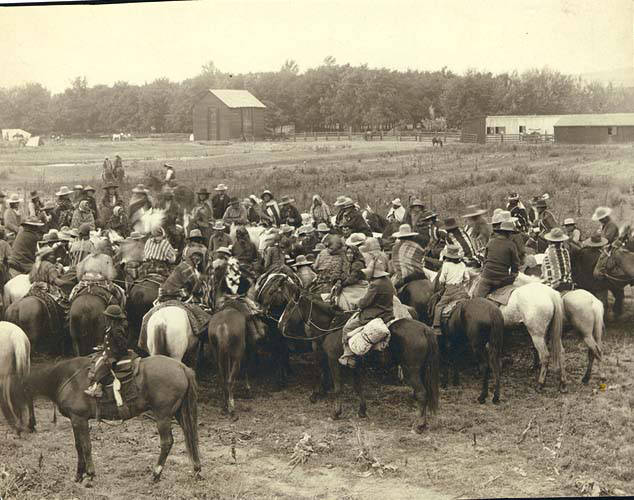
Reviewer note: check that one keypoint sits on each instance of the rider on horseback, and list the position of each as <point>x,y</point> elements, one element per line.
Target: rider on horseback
<point>115,347</point>
<point>407,257</point>
<point>556,269</point>
<point>450,282</point>
<point>501,261</point>
<point>184,282</point>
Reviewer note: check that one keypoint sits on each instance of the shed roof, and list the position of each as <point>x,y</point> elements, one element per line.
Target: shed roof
<point>597,120</point>
<point>237,98</point>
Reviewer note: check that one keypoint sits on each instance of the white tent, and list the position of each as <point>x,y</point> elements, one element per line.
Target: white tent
<point>34,142</point>
<point>15,134</point>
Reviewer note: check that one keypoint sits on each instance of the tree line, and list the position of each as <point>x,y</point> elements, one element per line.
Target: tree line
<point>329,97</point>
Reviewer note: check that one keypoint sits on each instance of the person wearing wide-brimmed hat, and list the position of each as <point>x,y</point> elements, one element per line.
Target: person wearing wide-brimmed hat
<point>413,213</point>
<point>45,274</point>
<point>115,348</point>
<point>35,206</point>
<point>202,214</point>
<point>518,210</point>
<point>450,282</point>
<point>131,256</point>
<point>570,227</point>
<point>236,213</point>
<point>83,215</point>
<point>25,245</point>
<point>556,268</point>
<point>609,229</point>
<point>219,201</point>
<point>5,253</point>
<point>270,208</point>
<point>219,237</point>
<point>81,247</point>
<point>139,204</point>
<point>63,212</point>
<point>289,213</point>
<point>545,221</point>
<point>12,215</point>
<point>246,252</point>
<point>477,228</point>
<point>396,212</point>
<point>117,169</point>
<point>330,265</point>
<point>378,302</point>
<point>111,197</point>
<point>349,218</point>
<point>458,236</point>
<point>501,261</point>
<point>307,238</point>
<point>408,257</point>
<point>304,271</point>
<point>89,195</point>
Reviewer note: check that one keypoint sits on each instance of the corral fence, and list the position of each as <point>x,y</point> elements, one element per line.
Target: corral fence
<point>525,138</point>
<point>404,135</point>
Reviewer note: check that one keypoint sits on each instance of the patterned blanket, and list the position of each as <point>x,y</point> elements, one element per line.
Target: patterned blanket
<point>42,292</point>
<point>108,291</point>
<point>198,319</point>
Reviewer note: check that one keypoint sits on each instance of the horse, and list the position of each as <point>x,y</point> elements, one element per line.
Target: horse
<point>413,346</point>
<point>117,137</point>
<point>165,387</point>
<point>16,288</point>
<point>436,140</point>
<point>540,309</point>
<point>417,294</point>
<point>375,221</point>
<point>32,316</point>
<point>87,323</point>
<point>169,333</point>
<point>255,234</point>
<point>141,299</point>
<point>15,359</point>
<point>227,345</point>
<point>481,324</point>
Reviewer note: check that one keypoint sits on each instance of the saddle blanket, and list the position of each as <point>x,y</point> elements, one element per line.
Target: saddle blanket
<point>502,295</point>
<point>372,335</point>
<point>245,305</point>
<point>108,291</point>
<point>350,296</point>
<point>198,319</point>
<point>125,372</point>
<point>52,302</point>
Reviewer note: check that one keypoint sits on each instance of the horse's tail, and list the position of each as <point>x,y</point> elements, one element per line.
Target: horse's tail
<point>22,356</point>
<point>13,401</point>
<point>429,371</point>
<point>157,339</point>
<point>496,334</point>
<point>221,339</point>
<point>598,329</point>
<point>555,329</point>
<point>187,417</point>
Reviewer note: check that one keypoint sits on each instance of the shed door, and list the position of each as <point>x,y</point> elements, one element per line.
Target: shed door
<point>212,124</point>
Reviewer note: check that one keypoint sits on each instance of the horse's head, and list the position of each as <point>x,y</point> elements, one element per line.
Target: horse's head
<point>276,289</point>
<point>620,264</point>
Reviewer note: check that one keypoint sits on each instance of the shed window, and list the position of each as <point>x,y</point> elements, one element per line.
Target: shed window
<point>522,129</point>
<point>500,130</point>
<point>489,130</point>
<point>611,130</point>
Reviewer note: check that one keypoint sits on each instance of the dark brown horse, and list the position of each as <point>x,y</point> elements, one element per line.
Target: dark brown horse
<point>141,299</point>
<point>30,314</point>
<point>417,294</point>
<point>165,387</point>
<point>413,346</point>
<point>480,324</point>
<point>87,323</point>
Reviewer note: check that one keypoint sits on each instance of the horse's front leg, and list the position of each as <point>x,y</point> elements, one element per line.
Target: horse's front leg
<point>85,466</point>
<point>81,459</point>
<point>358,389</point>
<point>321,387</point>
<point>164,426</point>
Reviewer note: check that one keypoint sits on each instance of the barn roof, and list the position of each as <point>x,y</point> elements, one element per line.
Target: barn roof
<point>598,120</point>
<point>237,98</point>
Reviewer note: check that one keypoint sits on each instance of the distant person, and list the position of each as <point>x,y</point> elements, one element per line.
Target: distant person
<point>170,175</point>
<point>108,175</point>
<point>83,215</point>
<point>12,216</point>
<point>117,169</point>
<point>220,201</point>
<point>36,206</point>
<point>609,229</point>
<point>63,212</point>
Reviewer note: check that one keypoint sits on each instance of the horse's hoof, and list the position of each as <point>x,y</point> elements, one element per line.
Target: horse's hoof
<point>362,413</point>
<point>539,388</point>
<point>156,473</point>
<point>482,399</point>
<point>420,428</point>
<point>563,388</point>
<point>585,380</point>
<point>79,477</point>
<point>496,399</point>
<point>336,415</point>
<point>87,482</point>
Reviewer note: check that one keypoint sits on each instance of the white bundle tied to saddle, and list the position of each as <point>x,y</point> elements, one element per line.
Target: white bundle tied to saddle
<point>373,334</point>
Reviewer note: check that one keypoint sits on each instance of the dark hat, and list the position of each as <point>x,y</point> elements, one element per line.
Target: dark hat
<point>114,311</point>
<point>203,191</point>
<point>34,195</point>
<point>450,223</point>
<point>285,200</point>
<point>111,185</point>
<point>596,240</point>
<point>233,200</point>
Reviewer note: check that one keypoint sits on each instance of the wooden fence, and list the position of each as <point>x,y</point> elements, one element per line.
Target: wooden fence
<point>405,135</point>
<point>523,138</point>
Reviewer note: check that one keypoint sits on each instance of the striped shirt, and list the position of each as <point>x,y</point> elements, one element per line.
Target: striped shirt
<point>161,250</point>
<point>407,258</point>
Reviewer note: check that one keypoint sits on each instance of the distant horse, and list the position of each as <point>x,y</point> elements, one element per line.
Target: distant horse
<point>166,387</point>
<point>436,140</point>
<point>15,359</point>
<point>413,346</point>
<point>117,137</point>
<point>169,333</point>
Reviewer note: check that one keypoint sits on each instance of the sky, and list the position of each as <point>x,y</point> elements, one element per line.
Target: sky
<point>138,43</point>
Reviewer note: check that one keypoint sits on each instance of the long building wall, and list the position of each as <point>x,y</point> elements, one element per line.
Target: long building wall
<point>542,124</point>
<point>594,135</point>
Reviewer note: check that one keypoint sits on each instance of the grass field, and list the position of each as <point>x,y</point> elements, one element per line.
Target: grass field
<point>577,444</point>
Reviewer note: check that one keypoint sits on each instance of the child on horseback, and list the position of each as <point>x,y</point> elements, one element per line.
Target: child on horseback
<point>115,347</point>
<point>450,282</point>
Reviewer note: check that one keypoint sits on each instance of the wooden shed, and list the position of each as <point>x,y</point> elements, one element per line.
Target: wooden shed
<point>225,114</point>
<point>595,128</point>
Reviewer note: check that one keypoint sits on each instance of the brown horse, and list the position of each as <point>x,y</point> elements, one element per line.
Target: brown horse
<point>140,300</point>
<point>32,316</point>
<point>417,294</point>
<point>165,387</point>
<point>413,346</point>
<point>87,324</point>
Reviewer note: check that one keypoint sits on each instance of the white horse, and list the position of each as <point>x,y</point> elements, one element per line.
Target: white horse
<point>170,334</point>
<point>15,359</point>
<point>16,288</point>
<point>584,312</point>
<point>255,234</point>
<point>540,309</point>
<point>117,137</point>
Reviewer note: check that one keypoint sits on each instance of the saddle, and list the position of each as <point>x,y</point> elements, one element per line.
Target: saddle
<point>115,404</point>
<point>502,295</point>
<point>109,292</point>
<point>51,302</point>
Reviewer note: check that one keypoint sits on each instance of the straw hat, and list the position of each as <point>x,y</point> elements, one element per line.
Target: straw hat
<point>203,191</point>
<point>14,198</point>
<point>601,213</point>
<point>89,188</point>
<point>195,233</point>
<point>34,195</point>
<point>356,239</point>
<point>224,250</point>
<point>319,247</point>
<point>370,245</point>
<point>397,202</point>
<point>506,227</point>
<point>266,191</point>
<point>404,231</point>
<point>301,260</point>
<point>32,221</point>
<point>428,214</point>
<point>218,225</point>
<point>569,222</point>
<point>135,235</point>
<point>375,271</point>
<point>343,202</point>
<point>52,236</point>
<point>78,187</point>
<point>596,240</point>
<point>452,251</point>
<point>501,216</point>
<point>474,211</point>
<point>417,202</point>
<point>450,223</point>
<point>556,234</point>
<point>168,165</point>
<point>322,227</point>
<point>63,191</point>
<point>285,200</point>
<point>305,230</point>
<point>221,187</point>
